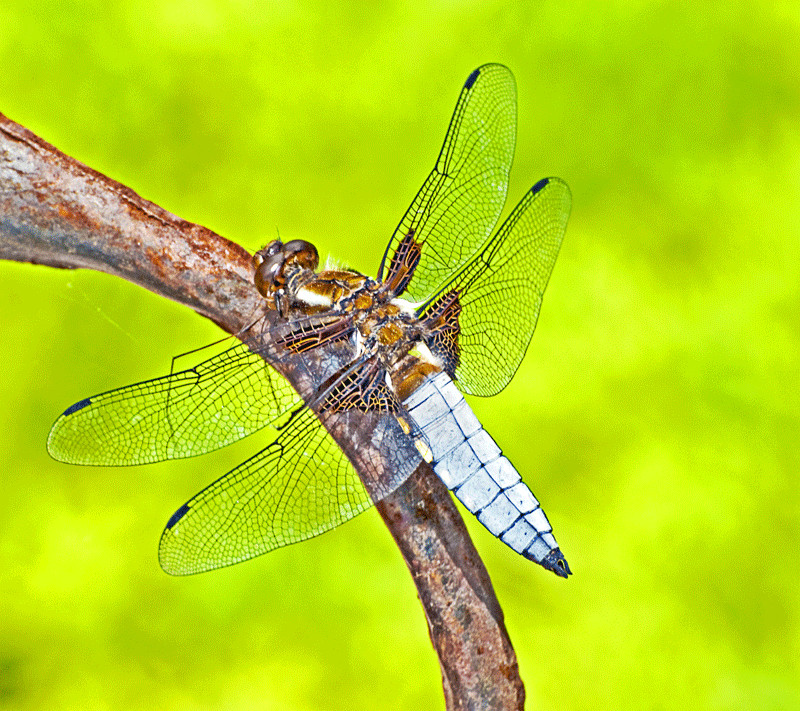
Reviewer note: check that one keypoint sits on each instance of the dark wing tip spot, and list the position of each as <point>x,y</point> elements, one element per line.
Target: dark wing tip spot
<point>177,516</point>
<point>72,409</point>
<point>471,79</point>
<point>536,188</point>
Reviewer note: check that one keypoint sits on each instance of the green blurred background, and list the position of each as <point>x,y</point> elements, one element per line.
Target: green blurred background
<point>656,414</point>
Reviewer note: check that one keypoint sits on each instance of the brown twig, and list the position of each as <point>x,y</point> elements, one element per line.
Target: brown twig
<point>58,212</point>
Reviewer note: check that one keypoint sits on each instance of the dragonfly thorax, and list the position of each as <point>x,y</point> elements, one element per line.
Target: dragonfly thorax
<point>338,305</point>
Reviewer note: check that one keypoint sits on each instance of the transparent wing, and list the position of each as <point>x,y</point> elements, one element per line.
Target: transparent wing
<point>461,200</point>
<point>181,415</point>
<point>501,289</point>
<point>299,486</point>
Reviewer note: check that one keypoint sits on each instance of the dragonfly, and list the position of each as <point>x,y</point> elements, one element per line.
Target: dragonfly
<point>451,312</point>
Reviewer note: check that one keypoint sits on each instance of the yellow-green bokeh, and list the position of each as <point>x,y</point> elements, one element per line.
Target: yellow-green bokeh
<point>656,414</point>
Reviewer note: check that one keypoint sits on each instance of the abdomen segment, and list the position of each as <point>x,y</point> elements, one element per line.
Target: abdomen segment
<point>472,466</point>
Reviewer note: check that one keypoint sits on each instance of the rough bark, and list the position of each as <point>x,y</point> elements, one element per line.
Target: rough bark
<point>58,212</point>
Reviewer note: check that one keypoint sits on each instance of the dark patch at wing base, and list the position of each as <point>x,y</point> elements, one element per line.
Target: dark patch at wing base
<point>403,264</point>
<point>441,321</point>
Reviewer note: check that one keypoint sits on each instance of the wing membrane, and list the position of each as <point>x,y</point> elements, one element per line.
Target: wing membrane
<point>299,486</point>
<point>181,415</point>
<point>501,289</point>
<point>461,200</point>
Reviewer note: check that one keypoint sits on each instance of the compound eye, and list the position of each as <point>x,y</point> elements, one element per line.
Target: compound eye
<point>303,253</point>
<point>273,248</point>
<point>269,274</point>
<point>269,251</point>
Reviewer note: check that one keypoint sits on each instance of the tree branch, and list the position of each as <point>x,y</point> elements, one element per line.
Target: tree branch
<point>58,212</point>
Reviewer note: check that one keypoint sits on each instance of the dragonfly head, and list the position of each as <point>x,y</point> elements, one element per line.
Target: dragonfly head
<point>279,262</point>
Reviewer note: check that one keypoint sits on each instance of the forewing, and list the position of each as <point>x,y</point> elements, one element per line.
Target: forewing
<point>501,290</point>
<point>299,486</point>
<point>460,201</point>
<point>181,415</point>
